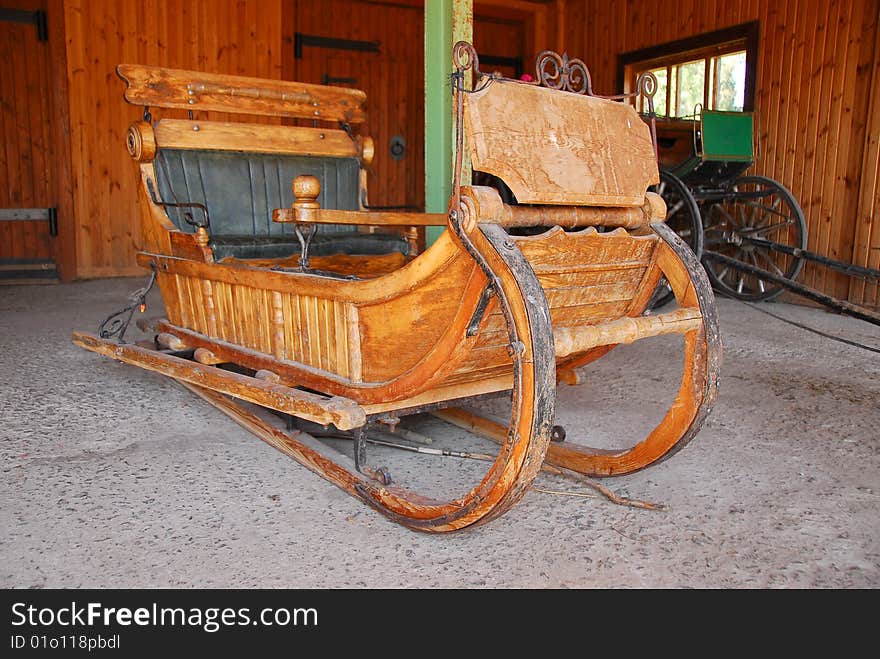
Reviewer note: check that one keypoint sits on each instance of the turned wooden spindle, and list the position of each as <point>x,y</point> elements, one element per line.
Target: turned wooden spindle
<point>305,202</point>
<point>305,197</point>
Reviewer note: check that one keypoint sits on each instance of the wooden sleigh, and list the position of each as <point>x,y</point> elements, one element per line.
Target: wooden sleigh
<point>510,300</point>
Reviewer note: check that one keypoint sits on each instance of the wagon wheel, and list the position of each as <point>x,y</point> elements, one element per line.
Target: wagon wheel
<point>758,207</point>
<point>683,217</point>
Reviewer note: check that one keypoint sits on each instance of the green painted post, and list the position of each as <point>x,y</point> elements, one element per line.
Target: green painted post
<point>446,21</point>
<point>438,110</point>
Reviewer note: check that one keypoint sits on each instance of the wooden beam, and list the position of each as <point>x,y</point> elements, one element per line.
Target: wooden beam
<point>572,340</point>
<point>345,414</point>
<point>65,242</point>
<point>195,90</point>
<point>254,138</point>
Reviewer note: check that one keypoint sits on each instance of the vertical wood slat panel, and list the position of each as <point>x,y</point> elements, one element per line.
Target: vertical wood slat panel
<point>224,36</point>
<point>814,115</point>
<point>840,239</point>
<point>817,136</point>
<point>866,247</point>
<point>314,331</point>
<point>26,176</point>
<point>861,163</point>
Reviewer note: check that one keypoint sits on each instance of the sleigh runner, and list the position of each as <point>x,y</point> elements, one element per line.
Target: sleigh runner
<point>315,307</point>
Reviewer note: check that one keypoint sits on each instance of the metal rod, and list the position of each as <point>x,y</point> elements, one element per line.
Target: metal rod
<point>843,307</point>
<point>432,451</point>
<point>846,268</point>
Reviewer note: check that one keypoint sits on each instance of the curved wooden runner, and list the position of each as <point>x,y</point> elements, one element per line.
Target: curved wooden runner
<point>696,394</point>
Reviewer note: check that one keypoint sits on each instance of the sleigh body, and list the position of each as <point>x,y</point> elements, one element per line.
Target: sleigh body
<point>300,300</point>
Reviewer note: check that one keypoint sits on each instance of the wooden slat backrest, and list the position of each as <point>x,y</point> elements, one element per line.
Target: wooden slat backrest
<point>553,147</point>
<point>193,90</point>
<point>255,138</point>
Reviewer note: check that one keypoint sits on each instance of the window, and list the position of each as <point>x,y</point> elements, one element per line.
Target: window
<point>715,71</point>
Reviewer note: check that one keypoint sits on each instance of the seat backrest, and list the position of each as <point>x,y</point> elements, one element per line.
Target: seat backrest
<point>727,135</point>
<point>240,190</point>
<point>559,148</point>
<point>241,171</point>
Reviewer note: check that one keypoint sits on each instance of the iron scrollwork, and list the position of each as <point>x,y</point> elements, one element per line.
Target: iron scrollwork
<point>115,325</point>
<point>552,70</point>
<point>561,72</point>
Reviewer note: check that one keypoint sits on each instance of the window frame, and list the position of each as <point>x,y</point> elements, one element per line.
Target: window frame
<point>701,47</point>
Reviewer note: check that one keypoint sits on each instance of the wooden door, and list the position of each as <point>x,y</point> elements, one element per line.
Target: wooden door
<point>501,45</point>
<point>378,48</point>
<point>391,179</point>
<point>27,205</point>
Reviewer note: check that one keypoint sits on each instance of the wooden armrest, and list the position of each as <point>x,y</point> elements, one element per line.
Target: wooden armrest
<point>306,209</point>
<point>329,216</point>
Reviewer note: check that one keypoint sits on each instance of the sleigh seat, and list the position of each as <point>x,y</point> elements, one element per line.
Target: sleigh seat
<point>211,186</point>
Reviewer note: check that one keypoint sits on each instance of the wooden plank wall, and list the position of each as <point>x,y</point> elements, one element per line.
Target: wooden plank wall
<point>817,104</point>
<point>392,78</point>
<point>26,140</point>
<point>51,166</point>
<point>223,36</point>
<point>500,38</point>
<point>248,38</point>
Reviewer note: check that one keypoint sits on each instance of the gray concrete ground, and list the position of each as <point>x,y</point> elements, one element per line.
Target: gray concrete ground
<point>117,477</point>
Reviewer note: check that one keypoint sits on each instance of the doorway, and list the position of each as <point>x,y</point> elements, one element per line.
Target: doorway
<point>28,215</point>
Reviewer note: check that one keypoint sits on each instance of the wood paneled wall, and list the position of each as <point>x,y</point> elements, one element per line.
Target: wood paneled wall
<point>223,36</point>
<point>393,79</point>
<point>43,98</point>
<point>247,38</point>
<point>817,98</point>
<point>817,104</point>
<point>26,140</point>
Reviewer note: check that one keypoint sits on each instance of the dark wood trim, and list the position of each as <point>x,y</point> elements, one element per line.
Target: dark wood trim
<point>65,243</point>
<point>300,40</point>
<point>748,33</point>
<point>515,63</point>
<point>37,18</point>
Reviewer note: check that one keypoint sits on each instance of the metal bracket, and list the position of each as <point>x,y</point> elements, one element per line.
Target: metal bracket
<point>327,79</point>
<point>360,448</point>
<point>304,233</point>
<point>38,18</point>
<point>300,40</point>
<point>360,458</point>
<point>187,216</point>
<point>480,310</point>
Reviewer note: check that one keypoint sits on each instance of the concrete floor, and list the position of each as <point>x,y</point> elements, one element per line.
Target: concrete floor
<point>117,477</point>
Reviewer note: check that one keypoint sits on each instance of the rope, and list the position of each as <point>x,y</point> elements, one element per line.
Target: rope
<point>809,329</point>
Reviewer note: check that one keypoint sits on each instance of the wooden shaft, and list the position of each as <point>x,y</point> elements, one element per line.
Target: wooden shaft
<point>345,414</point>
<point>169,341</point>
<point>205,356</point>
<point>489,209</point>
<point>376,218</point>
<point>571,340</point>
<point>572,217</point>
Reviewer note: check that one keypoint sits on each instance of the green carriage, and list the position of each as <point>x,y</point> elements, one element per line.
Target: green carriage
<point>714,205</point>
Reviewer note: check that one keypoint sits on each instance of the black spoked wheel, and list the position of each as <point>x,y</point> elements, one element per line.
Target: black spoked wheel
<point>755,209</point>
<point>683,217</point>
